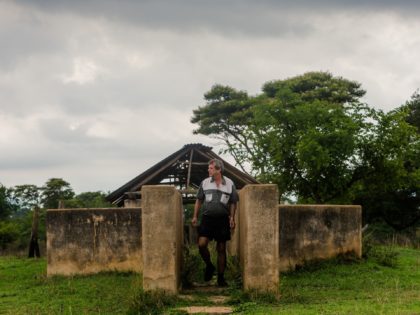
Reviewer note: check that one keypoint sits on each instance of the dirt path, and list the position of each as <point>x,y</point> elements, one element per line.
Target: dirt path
<point>213,297</point>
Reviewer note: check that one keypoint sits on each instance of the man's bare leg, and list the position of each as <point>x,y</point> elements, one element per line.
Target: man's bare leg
<point>205,255</point>
<point>221,263</point>
<point>221,257</point>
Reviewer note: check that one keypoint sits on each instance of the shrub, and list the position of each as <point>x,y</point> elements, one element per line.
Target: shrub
<point>384,253</point>
<point>233,271</point>
<point>192,266</point>
<point>9,232</point>
<point>150,302</point>
<point>246,300</point>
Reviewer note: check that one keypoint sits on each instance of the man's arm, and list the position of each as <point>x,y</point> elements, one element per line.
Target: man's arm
<point>234,198</point>
<point>232,210</point>
<point>197,207</point>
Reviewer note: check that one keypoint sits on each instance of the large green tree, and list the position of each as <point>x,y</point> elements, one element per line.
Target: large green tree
<point>312,135</point>
<point>311,149</point>
<point>300,133</point>
<point>54,190</point>
<point>390,187</point>
<point>226,116</point>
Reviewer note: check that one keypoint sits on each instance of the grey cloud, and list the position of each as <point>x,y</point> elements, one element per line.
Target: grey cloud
<point>63,131</point>
<point>234,18</point>
<point>141,111</point>
<point>163,85</point>
<point>237,16</point>
<point>22,39</point>
<point>29,161</point>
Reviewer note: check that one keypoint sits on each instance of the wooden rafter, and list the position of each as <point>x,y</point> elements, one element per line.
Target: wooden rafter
<point>185,169</point>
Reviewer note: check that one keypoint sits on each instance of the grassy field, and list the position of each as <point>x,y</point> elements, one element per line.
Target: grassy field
<point>358,288</point>
<point>361,287</point>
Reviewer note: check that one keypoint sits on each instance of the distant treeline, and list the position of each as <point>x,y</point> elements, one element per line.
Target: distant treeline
<point>17,205</point>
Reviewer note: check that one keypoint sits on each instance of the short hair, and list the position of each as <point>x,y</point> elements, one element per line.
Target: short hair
<point>218,164</point>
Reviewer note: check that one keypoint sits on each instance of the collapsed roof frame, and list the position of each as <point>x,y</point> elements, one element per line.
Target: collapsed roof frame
<point>184,169</point>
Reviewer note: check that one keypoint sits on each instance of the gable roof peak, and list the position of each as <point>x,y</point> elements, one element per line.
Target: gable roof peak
<point>197,146</point>
<point>185,168</point>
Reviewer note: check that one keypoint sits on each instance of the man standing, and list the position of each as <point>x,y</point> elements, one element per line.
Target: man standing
<point>217,196</point>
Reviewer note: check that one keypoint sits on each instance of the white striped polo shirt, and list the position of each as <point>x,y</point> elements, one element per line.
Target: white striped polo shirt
<point>216,199</point>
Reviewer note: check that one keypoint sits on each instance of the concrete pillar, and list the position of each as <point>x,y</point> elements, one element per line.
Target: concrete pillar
<point>162,238</point>
<point>259,237</point>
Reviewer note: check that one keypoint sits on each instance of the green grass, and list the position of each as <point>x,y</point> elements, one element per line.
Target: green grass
<point>333,287</point>
<point>364,287</point>
<point>25,289</point>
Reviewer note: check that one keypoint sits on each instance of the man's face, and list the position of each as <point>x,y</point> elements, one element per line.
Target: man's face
<point>212,170</point>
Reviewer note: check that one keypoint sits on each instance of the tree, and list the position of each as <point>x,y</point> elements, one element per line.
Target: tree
<point>225,116</point>
<point>90,199</point>
<point>54,190</point>
<point>314,122</point>
<point>8,229</point>
<point>390,188</point>
<point>9,232</point>
<point>26,197</point>
<point>6,206</point>
<point>413,108</point>
<point>313,86</point>
<point>314,138</point>
<point>299,133</point>
<point>311,148</point>
<point>33,243</point>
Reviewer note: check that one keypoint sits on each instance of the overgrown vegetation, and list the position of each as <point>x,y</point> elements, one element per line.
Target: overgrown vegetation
<point>337,286</point>
<point>384,253</point>
<point>194,266</point>
<point>150,302</point>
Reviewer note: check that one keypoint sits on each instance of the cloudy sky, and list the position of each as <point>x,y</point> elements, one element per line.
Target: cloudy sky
<point>98,91</point>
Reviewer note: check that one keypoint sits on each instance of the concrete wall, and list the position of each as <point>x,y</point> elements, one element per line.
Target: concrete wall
<point>162,238</point>
<point>309,232</point>
<point>82,241</point>
<point>132,203</point>
<point>259,237</point>
<point>269,238</point>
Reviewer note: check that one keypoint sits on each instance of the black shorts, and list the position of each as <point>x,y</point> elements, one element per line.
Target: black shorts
<point>217,228</point>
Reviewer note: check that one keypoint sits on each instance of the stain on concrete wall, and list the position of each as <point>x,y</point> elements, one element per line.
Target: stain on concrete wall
<point>309,232</point>
<point>82,241</point>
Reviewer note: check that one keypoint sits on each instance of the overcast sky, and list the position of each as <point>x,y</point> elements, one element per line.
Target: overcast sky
<point>96,92</point>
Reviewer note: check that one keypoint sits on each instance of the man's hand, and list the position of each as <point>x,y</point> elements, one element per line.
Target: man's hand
<point>232,223</point>
<point>194,221</point>
<point>197,207</point>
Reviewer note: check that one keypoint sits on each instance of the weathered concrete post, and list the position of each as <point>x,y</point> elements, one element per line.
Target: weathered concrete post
<point>259,237</point>
<point>162,238</point>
